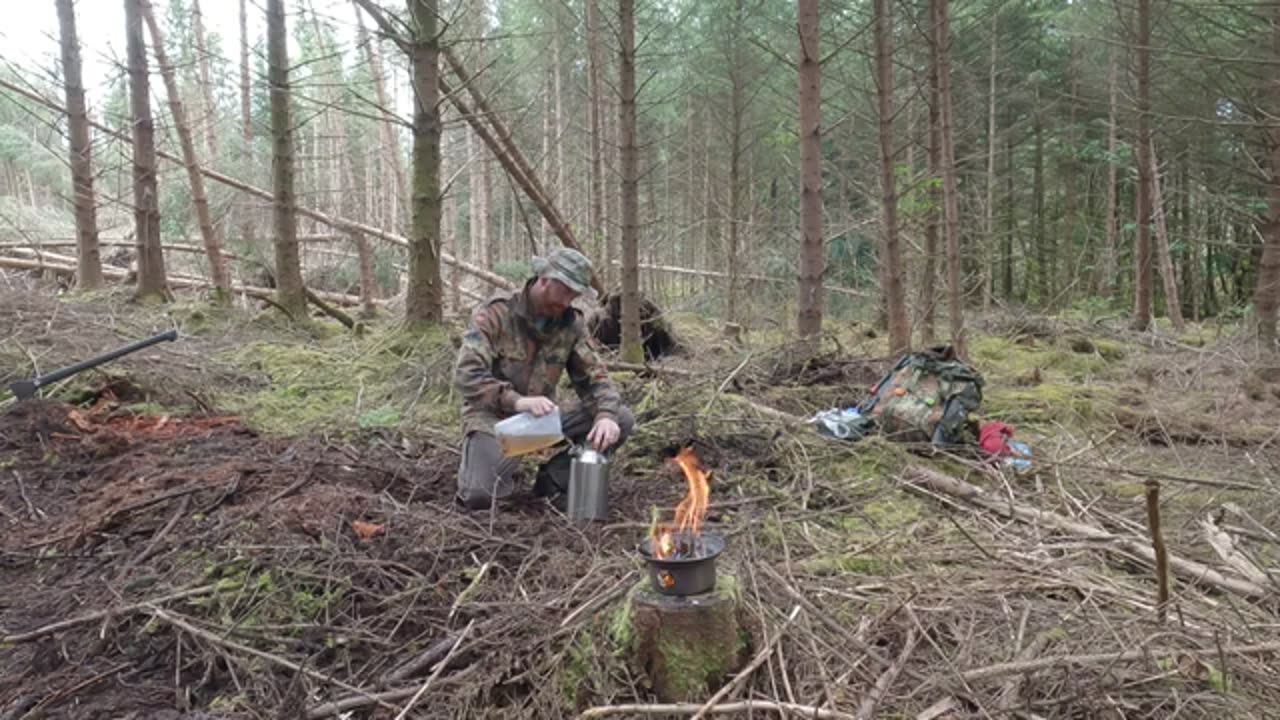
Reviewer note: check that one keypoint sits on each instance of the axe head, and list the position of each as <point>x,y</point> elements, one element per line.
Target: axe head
<point>24,389</point>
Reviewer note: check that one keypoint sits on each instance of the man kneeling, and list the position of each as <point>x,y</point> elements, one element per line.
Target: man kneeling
<point>513,353</point>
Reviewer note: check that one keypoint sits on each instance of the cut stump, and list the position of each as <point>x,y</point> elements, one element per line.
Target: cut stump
<point>686,646</point>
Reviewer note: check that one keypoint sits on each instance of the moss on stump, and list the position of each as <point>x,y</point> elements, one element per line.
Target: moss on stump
<point>686,646</point>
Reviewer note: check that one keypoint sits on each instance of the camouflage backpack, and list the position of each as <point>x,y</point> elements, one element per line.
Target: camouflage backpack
<point>926,397</point>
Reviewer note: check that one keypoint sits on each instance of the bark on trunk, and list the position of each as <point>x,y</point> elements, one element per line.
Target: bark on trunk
<point>891,258</point>
<point>290,292</point>
<point>557,82</point>
<point>1011,216</point>
<point>989,244</point>
<point>424,299</point>
<point>737,100</point>
<point>1266,298</point>
<point>928,283</point>
<point>88,260</point>
<point>632,348</point>
<point>1172,303</point>
<point>1040,238</point>
<point>1142,251</point>
<point>950,192</point>
<point>595,223</point>
<point>1070,178</point>
<point>1107,269</point>
<point>246,126</point>
<point>212,241</point>
<point>812,258</point>
<point>151,271</point>
<point>394,196</point>
<point>208,112</point>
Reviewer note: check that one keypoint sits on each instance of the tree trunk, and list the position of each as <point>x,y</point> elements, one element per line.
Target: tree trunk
<point>1173,305</point>
<point>289,287</point>
<point>212,242</point>
<point>812,256</point>
<point>209,112</point>
<point>547,158</point>
<point>88,261</point>
<point>950,192</point>
<point>424,298</point>
<point>1043,276</point>
<point>632,349</point>
<point>146,213</point>
<point>395,195</point>
<point>475,251</point>
<point>1142,252</point>
<point>557,82</point>
<point>246,126</point>
<point>989,244</point>
<point>929,281</point>
<point>487,238</point>
<point>891,255</point>
<point>1266,296</point>
<point>508,153</point>
<point>1070,178</point>
<point>1011,216</point>
<point>1107,271</point>
<point>449,222</point>
<point>737,101</point>
<point>595,223</point>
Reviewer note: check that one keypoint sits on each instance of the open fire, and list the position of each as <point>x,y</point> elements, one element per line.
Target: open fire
<point>681,558</point>
<point>683,538</point>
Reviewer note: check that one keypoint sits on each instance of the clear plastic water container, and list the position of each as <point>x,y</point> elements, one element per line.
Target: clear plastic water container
<point>524,433</point>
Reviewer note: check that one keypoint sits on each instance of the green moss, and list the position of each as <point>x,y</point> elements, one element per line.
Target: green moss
<point>1046,402</point>
<point>694,671</point>
<point>577,668</point>
<point>851,564</point>
<point>1001,358</point>
<point>395,378</point>
<point>1128,490</point>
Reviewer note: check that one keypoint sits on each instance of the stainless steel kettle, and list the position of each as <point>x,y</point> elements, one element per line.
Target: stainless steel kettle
<point>588,486</point>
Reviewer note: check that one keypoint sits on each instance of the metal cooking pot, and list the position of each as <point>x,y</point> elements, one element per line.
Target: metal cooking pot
<point>684,576</point>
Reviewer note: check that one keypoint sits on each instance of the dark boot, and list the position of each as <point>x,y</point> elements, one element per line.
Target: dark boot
<point>552,481</point>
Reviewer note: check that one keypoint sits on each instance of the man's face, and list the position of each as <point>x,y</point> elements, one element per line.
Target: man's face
<point>552,297</point>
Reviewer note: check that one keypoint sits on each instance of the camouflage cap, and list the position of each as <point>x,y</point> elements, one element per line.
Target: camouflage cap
<point>569,267</point>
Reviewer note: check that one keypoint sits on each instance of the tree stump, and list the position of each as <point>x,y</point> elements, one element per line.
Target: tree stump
<point>686,646</point>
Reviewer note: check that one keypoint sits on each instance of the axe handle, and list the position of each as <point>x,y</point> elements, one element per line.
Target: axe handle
<point>70,370</point>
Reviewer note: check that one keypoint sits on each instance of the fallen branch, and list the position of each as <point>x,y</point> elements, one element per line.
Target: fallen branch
<point>717,274</point>
<point>439,669</point>
<point>273,659</point>
<point>1190,569</point>
<point>100,614</point>
<point>750,668</point>
<point>782,708</point>
<point>332,221</point>
<point>1225,547</point>
<point>329,310</point>
<point>174,281</point>
<point>650,369</point>
<point>1062,661</point>
<point>867,709</point>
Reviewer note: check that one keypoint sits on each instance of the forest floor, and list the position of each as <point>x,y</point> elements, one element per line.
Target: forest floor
<point>258,521</point>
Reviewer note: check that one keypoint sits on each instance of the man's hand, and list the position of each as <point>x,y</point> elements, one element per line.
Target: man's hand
<point>535,405</point>
<point>604,434</point>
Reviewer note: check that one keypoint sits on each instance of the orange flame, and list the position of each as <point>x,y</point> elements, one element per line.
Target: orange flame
<point>691,511</point>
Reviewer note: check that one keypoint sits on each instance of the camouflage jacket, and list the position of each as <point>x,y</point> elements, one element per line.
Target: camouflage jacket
<point>506,354</point>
